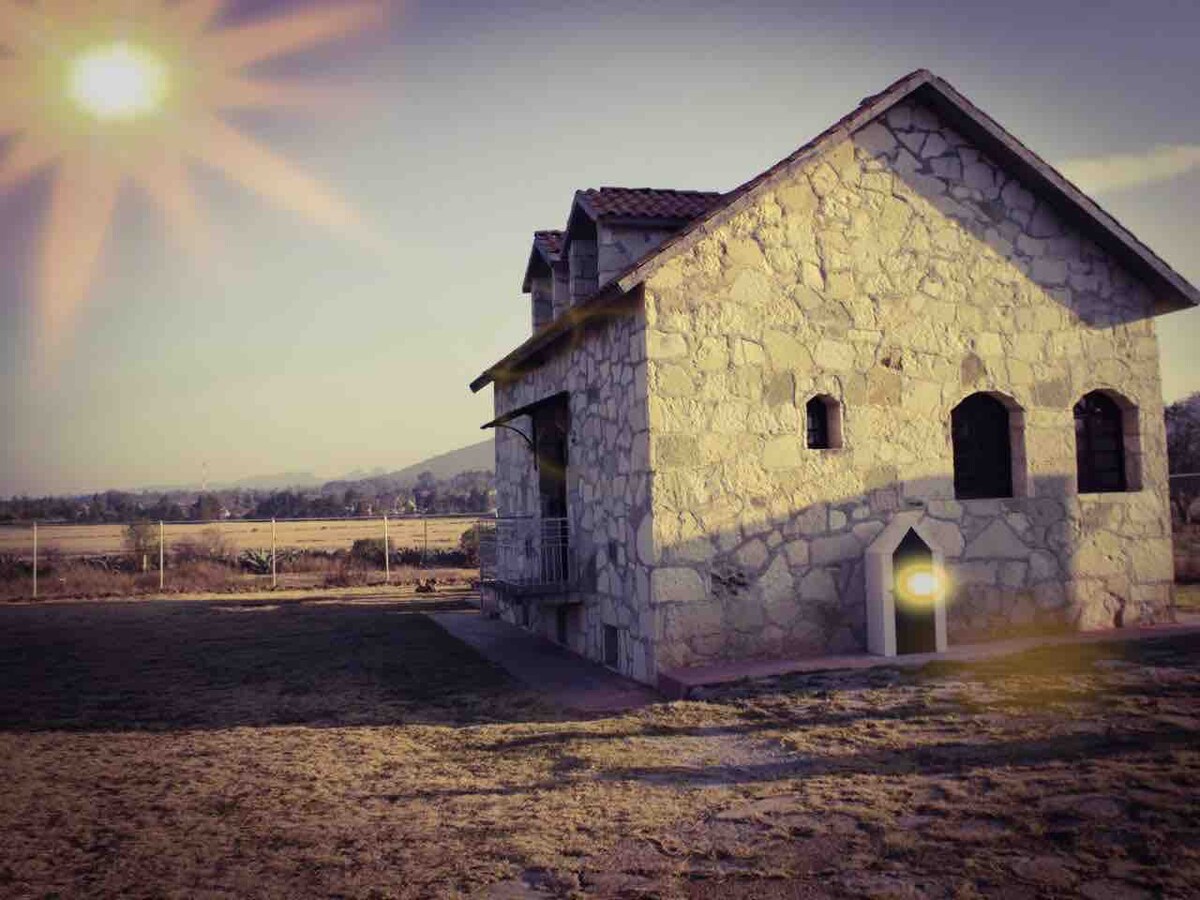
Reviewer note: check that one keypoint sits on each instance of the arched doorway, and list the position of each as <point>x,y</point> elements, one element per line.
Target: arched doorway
<point>906,589</point>
<point>915,593</point>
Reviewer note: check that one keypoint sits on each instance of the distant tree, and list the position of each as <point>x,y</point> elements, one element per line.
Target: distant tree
<point>141,539</point>
<point>207,508</point>
<point>468,543</point>
<point>165,509</point>
<point>1183,434</point>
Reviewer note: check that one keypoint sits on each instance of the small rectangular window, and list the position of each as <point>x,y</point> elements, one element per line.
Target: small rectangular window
<point>823,423</point>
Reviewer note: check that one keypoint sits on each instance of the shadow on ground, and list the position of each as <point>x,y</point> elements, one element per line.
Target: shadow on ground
<point>165,665</point>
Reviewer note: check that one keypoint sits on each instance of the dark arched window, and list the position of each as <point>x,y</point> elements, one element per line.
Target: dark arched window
<point>1099,444</point>
<point>822,423</point>
<point>982,440</point>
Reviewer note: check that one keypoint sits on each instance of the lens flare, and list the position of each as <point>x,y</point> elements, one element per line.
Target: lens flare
<point>919,586</point>
<point>110,93</point>
<point>118,81</point>
<point>922,584</point>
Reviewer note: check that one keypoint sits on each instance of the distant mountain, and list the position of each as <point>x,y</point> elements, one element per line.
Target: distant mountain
<point>277,482</point>
<point>472,458</point>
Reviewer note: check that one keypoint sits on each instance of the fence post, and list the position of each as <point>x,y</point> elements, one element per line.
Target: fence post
<point>35,560</point>
<point>387,562</point>
<point>161,556</point>
<point>273,553</point>
<point>425,546</point>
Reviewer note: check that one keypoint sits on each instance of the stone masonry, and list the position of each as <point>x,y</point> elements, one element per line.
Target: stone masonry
<point>607,482</point>
<point>897,274</point>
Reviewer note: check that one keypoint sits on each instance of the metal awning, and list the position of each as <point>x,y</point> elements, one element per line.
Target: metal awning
<point>525,410</point>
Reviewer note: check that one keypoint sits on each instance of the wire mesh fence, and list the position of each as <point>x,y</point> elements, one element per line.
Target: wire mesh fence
<point>68,559</point>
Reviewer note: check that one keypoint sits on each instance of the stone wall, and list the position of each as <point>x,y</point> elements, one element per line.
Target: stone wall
<point>581,256</point>
<point>621,245</point>
<point>541,298</point>
<point>898,274</point>
<point>607,480</point>
<point>562,287</point>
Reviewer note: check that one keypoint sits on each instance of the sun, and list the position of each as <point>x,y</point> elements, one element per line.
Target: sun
<point>111,93</point>
<point>118,81</point>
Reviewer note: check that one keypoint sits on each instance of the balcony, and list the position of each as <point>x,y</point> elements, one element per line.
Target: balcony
<point>526,556</point>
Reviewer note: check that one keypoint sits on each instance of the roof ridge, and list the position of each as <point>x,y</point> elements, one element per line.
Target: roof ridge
<point>615,187</point>
<point>962,113</point>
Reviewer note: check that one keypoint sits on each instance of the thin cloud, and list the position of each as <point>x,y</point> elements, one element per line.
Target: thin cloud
<point>1121,171</point>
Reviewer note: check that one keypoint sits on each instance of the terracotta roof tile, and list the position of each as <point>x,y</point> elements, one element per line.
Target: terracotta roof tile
<point>647,203</point>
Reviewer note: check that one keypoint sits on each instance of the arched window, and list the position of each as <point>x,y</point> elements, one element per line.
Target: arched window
<point>1099,444</point>
<point>980,432</point>
<point>822,423</point>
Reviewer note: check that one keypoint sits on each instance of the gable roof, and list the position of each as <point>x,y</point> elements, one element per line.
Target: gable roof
<point>651,206</point>
<point>646,203</point>
<point>661,207</point>
<point>547,249</point>
<point>1173,291</point>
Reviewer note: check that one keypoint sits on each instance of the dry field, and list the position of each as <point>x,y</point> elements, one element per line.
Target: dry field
<point>314,534</point>
<point>289,750</point>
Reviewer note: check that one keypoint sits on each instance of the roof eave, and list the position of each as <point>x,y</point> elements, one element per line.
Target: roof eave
<point>546,336</point>
<point>1067,199</point>
<point>1172,291</point>
<point>742,196</point>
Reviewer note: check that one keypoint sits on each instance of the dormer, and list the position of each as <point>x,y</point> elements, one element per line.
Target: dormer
<point>546,278</point>
<point>610,228</point>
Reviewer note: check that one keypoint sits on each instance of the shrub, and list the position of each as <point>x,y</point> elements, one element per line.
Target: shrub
<point>141,539</point>
<point>370,551</point>
<point>346,573</point>
<point>12,567</point>
<point>209,545</point>
<point>468,545</point>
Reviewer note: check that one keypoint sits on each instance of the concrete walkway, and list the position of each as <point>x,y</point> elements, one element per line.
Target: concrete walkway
<point>678,683</point>
<point>567,680</point>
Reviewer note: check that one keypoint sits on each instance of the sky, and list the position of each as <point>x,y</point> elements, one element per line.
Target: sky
<point>290,345</point>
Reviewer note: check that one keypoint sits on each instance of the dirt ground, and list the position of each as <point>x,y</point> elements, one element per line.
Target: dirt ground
<point>355,750</point>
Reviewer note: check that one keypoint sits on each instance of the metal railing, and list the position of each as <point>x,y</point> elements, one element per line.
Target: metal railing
<point>526,553</point>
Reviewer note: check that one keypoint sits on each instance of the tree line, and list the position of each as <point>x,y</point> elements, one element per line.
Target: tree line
<point>466,492</point>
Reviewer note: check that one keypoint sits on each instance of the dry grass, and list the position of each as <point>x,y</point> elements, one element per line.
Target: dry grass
<point>320,534</point>
<point>306,750</point>
<point>76,579</point>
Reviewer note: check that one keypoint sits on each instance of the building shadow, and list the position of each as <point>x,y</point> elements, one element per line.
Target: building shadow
<point>181,665</point>
<point>795,586</point>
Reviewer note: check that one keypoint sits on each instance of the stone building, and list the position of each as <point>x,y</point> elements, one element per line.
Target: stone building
<point>900,390</point>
